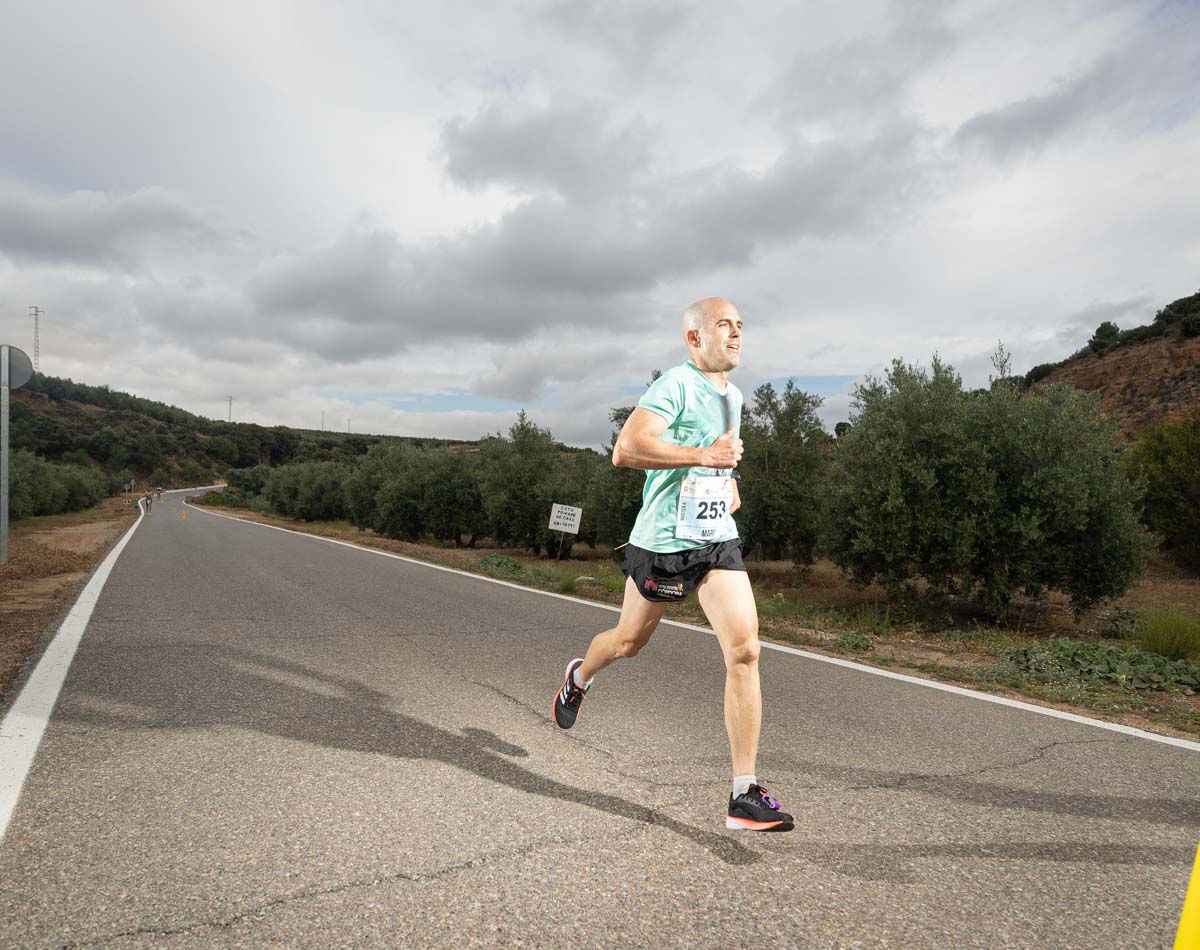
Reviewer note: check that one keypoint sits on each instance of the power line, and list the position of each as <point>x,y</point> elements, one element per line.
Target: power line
<point>36,313</point>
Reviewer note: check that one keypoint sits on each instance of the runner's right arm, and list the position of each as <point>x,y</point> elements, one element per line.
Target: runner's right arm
<point>640,445</point>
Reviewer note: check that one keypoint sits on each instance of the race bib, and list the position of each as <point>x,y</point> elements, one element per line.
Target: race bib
<point>704,503</point>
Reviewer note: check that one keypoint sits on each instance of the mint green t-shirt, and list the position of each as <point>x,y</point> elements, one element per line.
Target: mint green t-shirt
<point>697,414</point>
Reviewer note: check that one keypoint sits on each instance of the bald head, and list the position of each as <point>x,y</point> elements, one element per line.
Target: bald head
<point>700,314</point>
<point>712,329</point>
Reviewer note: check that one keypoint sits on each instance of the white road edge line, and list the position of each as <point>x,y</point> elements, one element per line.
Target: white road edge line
<point>23,727</point>
<point>848,664</point>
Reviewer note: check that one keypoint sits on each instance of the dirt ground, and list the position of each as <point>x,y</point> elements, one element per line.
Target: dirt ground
<point>48,561</point>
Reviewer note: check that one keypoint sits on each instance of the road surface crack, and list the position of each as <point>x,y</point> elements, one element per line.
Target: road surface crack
<point>1038,754</point>
<point>309,893</point>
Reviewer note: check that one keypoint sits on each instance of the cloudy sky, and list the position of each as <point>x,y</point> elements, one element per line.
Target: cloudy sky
<point>423,217</point>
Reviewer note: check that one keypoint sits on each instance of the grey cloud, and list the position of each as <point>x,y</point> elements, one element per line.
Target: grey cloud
<point>1148,83</point>
<point>89,227</point>
<point>364,276</point>
<point>368,294</point>
<point>632,33</point>
<point>865,80</point>
<point>523,372</point>
<point>1080,325</point>
<point>574,151</point>
<point>553,261</point>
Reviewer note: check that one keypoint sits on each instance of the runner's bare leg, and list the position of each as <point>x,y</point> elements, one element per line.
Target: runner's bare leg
<point>639,617</point>
<point>728,603</point>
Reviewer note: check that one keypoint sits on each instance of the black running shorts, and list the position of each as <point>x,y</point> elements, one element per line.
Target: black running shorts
<point>665,577</point>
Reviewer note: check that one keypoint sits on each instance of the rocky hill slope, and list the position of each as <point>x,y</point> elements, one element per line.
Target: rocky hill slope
<point>1140,386</point>
<point>1145,376</point>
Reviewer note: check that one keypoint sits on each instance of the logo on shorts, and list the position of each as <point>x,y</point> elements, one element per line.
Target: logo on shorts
<point>664,588</point>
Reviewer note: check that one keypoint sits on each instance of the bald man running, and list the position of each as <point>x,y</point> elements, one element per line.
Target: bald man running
<point>684,433</point>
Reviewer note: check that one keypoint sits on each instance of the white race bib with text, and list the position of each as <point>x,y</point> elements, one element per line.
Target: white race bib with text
<point>704,503</point>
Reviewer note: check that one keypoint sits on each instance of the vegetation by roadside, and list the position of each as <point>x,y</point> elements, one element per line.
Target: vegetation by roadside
<point>1100,665</point>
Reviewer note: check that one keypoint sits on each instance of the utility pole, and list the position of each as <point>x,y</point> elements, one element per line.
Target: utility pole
<point>347,424</point>
<point>36,313</point>
<point>230,398</point>
<point>322,420</point>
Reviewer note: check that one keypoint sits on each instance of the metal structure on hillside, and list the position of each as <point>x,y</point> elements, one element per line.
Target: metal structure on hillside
<point>15,372</point>
<point>36,313</point>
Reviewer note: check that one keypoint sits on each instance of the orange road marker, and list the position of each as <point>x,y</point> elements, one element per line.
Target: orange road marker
<point>1188,937</point>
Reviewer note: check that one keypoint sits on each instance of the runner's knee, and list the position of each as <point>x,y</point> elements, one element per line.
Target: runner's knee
<point>744,650</point>
<point>629,647</point>
<point>630,642</point>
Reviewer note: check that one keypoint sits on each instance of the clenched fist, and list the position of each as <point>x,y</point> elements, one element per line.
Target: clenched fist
<point>726,452</point>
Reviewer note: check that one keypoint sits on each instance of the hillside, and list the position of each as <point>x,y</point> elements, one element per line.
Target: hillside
<point>1144,376</point>
<point>65,421</point>
<point>1141,386</point>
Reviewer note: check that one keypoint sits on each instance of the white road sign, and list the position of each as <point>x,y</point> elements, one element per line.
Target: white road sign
<point>565,518</point>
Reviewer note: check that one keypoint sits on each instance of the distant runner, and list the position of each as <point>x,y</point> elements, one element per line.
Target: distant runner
<point>684,433</point>
<point>149,500</point>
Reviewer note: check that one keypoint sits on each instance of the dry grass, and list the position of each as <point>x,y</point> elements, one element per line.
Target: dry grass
<point>49,559</point>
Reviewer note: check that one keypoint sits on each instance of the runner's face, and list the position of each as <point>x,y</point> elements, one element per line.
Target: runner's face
<point>721,342</point>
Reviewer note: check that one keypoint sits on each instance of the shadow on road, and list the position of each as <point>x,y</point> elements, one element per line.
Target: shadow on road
<point>892,863</point>
<point>276,697</point>
<point>965,789</point>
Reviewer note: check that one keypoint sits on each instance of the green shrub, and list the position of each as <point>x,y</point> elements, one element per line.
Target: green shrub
<point>248,481</point>
<point>1106,337</point>
<point>499,565</point>
<point>310,491</point>
<point>614,495</point>
<point>38,487</point>
<point>903,482</point>
<point>853,641</point>
<point>783,473</point>
<point>1040,372</point>
<point>567,584</point>
<point>1058,510</point>
<point>521,476</point>
<point>399,509</point>
<point>85,486</point>
<point>989,493</point>
<point>1172,633</point>
<point>1060,660</point>
<point>1168,460</point>
<point>232,498</point>
<point>1121,624</point>
<point>362,486</point>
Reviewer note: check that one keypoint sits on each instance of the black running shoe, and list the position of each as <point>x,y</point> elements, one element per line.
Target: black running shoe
<point>755,810</point>
<point>568,699</point>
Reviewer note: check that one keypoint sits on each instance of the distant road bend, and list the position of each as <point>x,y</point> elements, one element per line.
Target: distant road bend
<point>268,738</point>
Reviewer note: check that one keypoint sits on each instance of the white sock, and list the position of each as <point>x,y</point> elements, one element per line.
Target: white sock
<point>742,783</point>
<point>579,680</point>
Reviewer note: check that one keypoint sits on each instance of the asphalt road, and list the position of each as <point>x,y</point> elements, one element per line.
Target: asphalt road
<point>270,739</point>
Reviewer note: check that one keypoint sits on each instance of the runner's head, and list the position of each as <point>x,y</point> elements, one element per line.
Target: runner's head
<point>712,329</point>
